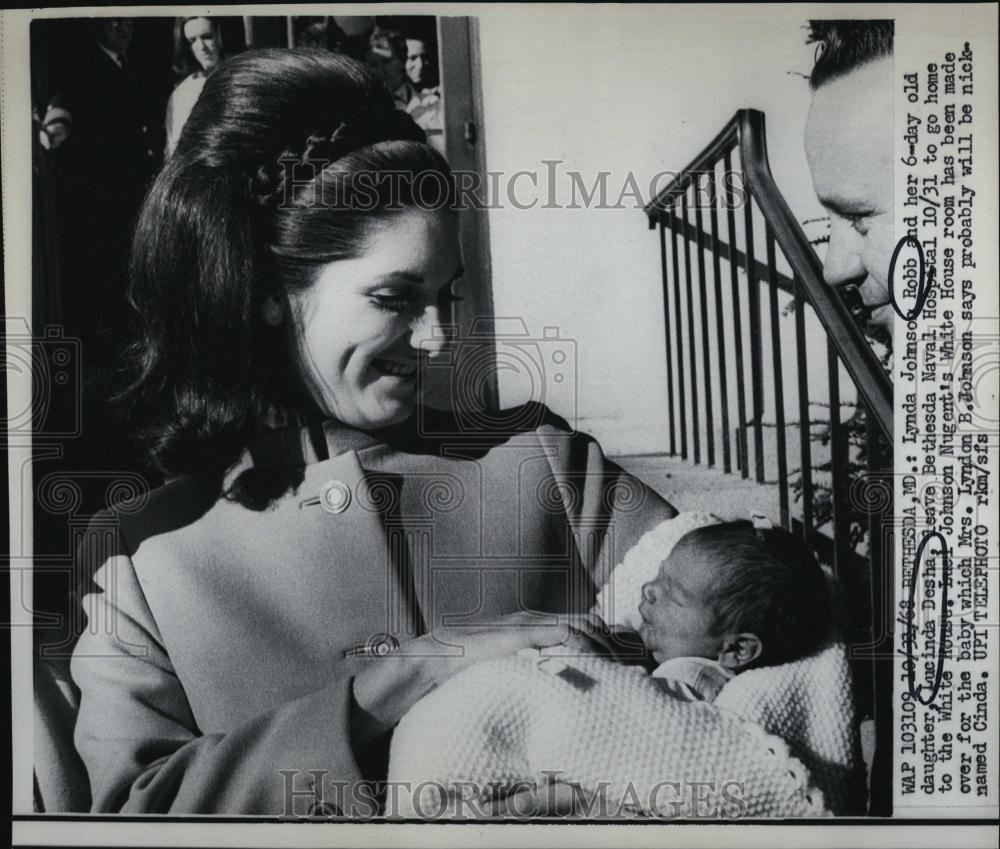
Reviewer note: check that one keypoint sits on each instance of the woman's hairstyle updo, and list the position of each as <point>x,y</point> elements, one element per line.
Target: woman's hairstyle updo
<point>265,187</point>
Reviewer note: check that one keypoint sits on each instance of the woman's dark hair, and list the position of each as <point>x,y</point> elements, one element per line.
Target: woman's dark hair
<point>770,585</point>
<point>842,46</point>
<point>265,187</point>
<point>184,62</point>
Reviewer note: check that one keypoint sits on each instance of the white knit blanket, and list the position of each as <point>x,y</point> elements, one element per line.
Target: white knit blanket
<point>779,741</point>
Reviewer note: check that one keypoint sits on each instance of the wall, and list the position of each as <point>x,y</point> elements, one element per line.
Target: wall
<point>619,89</point>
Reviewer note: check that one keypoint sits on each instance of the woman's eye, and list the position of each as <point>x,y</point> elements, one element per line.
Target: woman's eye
<point>393,303</point>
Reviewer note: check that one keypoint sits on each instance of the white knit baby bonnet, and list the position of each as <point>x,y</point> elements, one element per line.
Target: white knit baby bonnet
<point>619,599</point>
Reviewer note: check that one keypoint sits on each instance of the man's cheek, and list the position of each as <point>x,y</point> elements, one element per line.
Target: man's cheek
<point>878,254</point>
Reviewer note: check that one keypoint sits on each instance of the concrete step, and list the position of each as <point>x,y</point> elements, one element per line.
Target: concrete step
<point>690,487</point>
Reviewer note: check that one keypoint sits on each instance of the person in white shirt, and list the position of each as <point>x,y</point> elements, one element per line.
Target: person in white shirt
<point>197,52</point>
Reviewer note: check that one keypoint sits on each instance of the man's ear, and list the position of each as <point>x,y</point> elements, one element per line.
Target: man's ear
<point>272,310</point>
<point>739,651</point>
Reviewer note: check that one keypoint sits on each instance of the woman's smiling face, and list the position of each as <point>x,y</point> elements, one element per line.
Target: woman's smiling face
<point>363,326</point>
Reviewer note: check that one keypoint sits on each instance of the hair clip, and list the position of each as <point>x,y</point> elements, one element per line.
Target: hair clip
<point>338,133</point>
<point>760,524</point>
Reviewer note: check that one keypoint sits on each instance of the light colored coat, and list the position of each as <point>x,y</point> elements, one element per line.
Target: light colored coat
<point>213,666</point>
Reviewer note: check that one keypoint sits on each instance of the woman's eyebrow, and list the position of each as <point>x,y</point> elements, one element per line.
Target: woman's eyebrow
<point>413,277</point>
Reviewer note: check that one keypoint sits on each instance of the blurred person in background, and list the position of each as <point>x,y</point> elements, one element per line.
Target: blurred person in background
<point>406,66</point>
<point>110,108</point>
<point>386,58</point>
<point>421,67</point>
<point>422,91</point>
<point>197,52</point>
<point>320,32</point>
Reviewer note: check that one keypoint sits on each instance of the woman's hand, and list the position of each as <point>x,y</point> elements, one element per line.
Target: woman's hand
<point>390,685</point>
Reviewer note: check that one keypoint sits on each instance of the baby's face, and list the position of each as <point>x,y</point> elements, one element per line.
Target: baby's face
<point>676,609</point>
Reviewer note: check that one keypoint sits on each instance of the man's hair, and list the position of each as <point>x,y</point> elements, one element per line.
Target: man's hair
<point>769,585</point>
<point>843,46</point>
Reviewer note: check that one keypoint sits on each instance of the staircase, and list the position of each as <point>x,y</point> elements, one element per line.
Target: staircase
<point>757,344</point>
<point>690,487</point>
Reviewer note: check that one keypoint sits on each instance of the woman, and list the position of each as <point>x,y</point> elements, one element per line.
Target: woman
<point>331,550</point>
<point>197,52</point>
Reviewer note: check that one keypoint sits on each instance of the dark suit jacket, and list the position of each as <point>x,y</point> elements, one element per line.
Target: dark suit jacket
<point>109,161</point>
<point>213,663</point>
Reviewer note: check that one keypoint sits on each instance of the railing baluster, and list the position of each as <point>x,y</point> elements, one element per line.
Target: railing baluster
<point>755,346</point>
<point>805,429</point>
<point>706,347</point>
<point>838,469</point>
<point>727,463</point>
<point>846,348</point>
<point>666,329</point>
<point>690,312</point>
<point>679,326</point>
<point>741,399</point>
<point>779,389</point>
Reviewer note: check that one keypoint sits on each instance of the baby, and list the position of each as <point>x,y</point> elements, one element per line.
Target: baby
<point>728,596</point>
<point>704,601</point>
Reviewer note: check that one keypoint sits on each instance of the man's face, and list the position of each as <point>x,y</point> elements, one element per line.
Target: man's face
<point>417,61</point>
<point>849,146</point>
<point>115,33</point>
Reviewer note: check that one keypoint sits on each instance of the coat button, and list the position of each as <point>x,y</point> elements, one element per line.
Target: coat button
<point>335,496</point>
<point>378,645</point>
<point>382,645</point>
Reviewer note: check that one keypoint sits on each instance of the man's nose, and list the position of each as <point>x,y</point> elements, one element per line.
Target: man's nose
<point>650,592</point>
<point>429,334</point>
<point>843,263</point>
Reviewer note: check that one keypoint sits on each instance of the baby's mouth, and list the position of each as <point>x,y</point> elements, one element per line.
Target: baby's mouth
<point>393,368</point>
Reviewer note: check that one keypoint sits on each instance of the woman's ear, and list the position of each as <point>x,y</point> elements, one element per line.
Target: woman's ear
<point>272,310</point>
<point>739,651</point>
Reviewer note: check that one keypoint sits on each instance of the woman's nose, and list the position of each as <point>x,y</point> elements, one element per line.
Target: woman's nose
<point>843,262</point>
<point>429,335</point>
<point>649,592</point>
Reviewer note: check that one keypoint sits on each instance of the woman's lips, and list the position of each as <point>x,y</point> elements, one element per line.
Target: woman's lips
<point>398,370</point>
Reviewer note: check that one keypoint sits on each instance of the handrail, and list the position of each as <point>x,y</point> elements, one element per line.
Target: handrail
<point>746,131</point>
<point>728,253</point>
<point>724,353</point>
<point>727,138</point>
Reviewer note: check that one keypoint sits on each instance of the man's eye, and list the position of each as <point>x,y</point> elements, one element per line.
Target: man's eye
<point>858,220</point>
<point>449,297</point>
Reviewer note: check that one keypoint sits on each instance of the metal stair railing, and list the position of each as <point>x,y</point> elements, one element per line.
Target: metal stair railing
<point>697,388</point>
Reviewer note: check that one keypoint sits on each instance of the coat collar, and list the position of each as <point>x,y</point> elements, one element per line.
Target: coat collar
<point>303,445</point>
